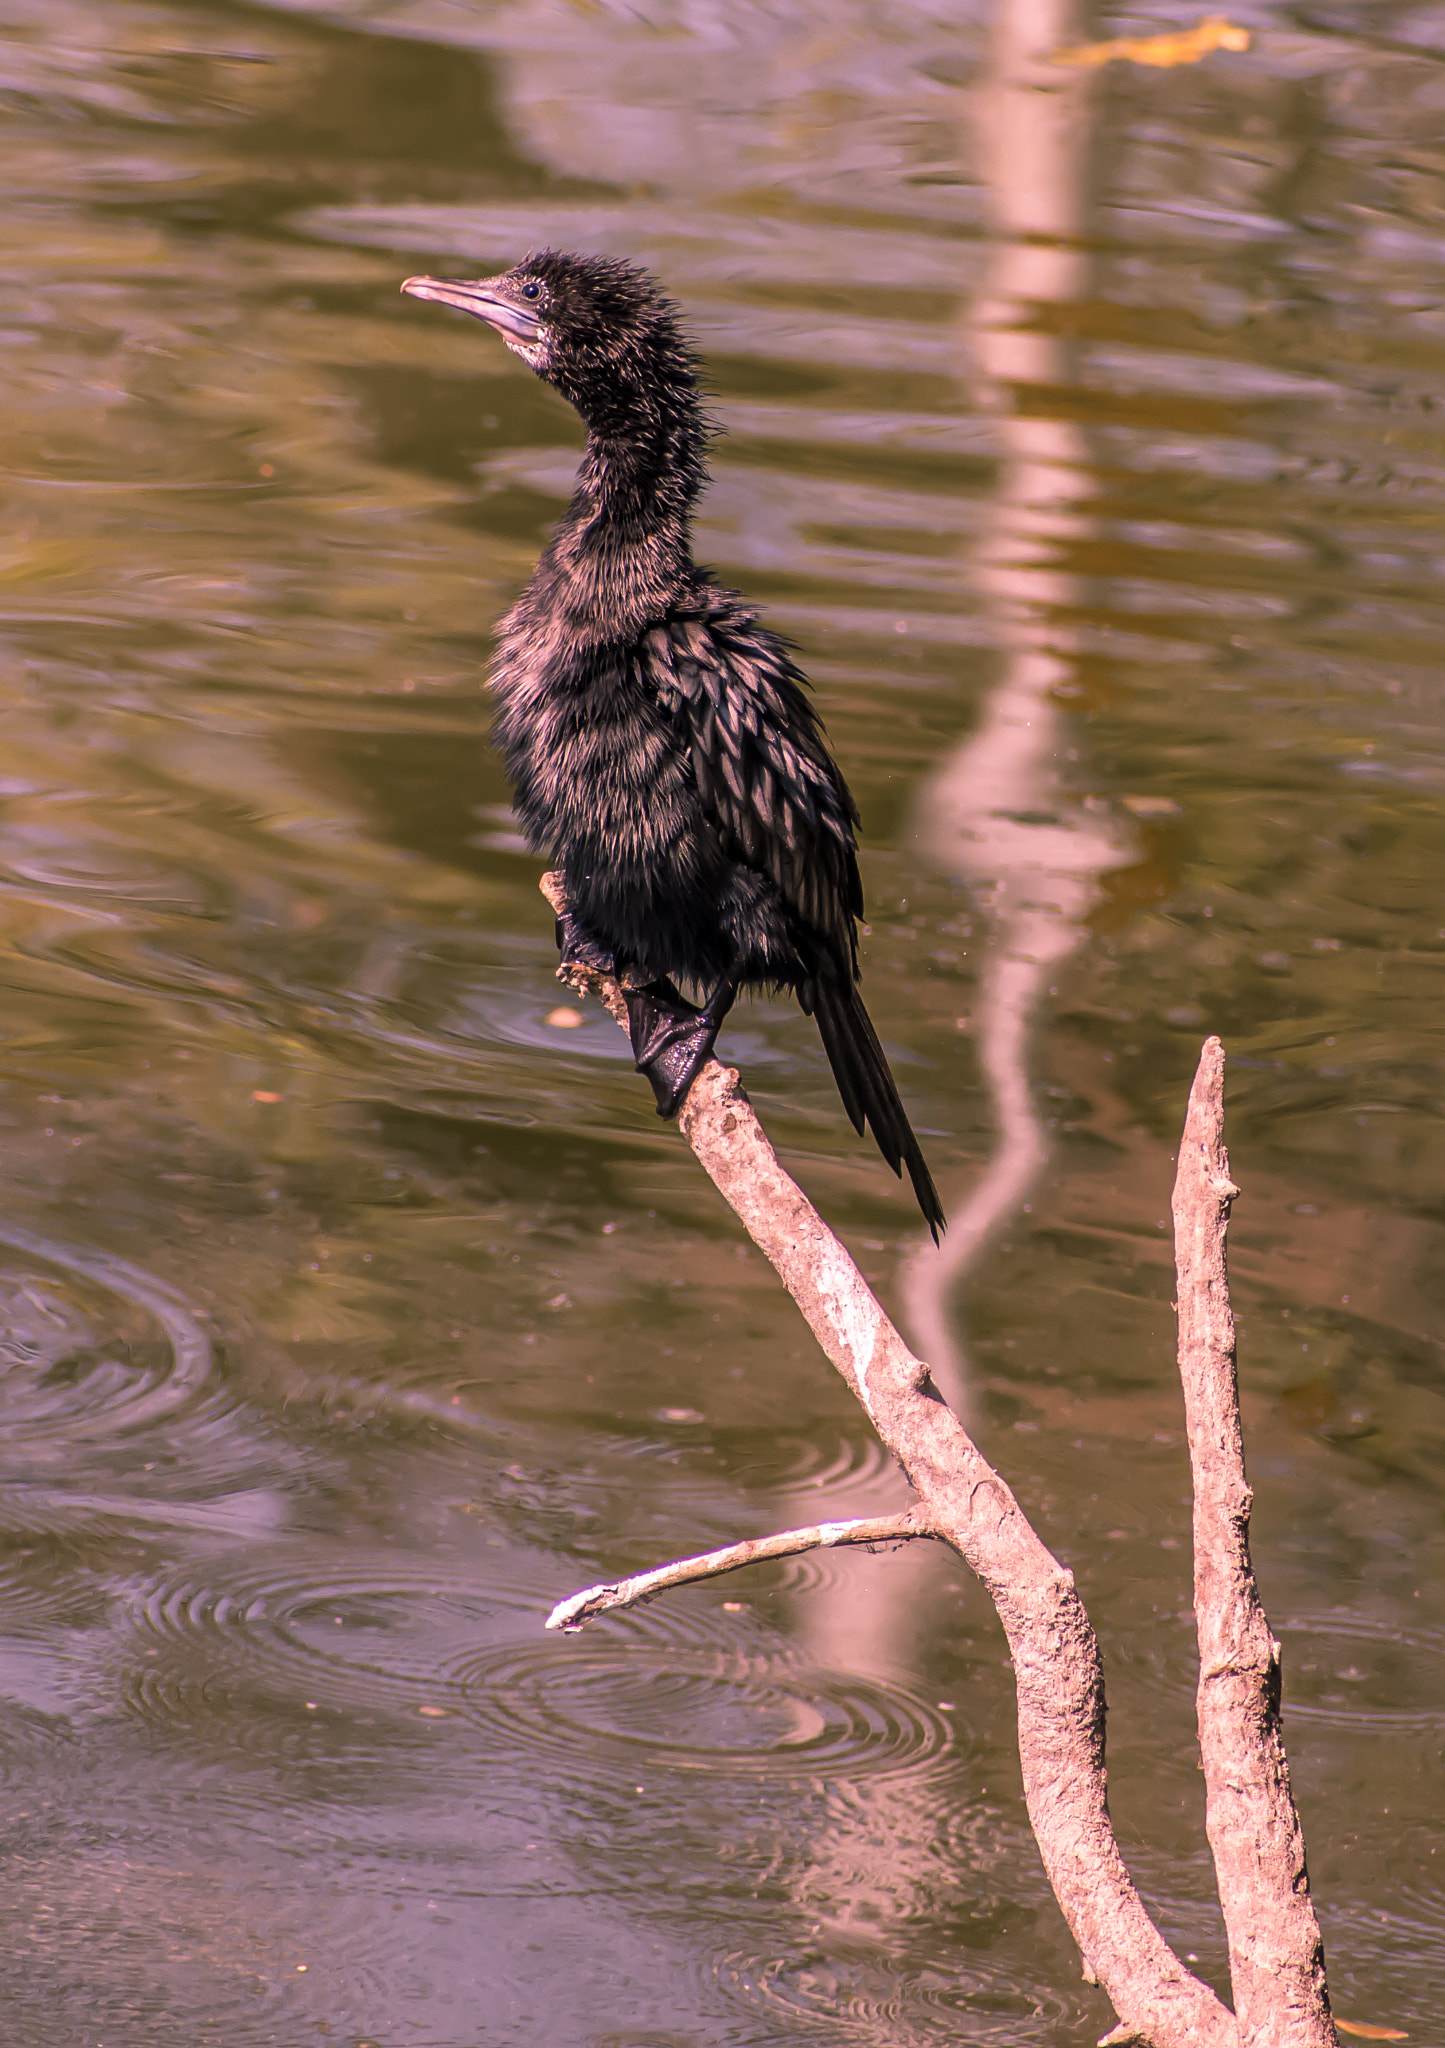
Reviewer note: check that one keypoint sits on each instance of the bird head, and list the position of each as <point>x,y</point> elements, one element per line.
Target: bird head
<point>600,331</point>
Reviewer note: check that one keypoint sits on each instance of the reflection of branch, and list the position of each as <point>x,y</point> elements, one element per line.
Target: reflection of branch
<point>995,813</point>
<point>685,1571</point>
<point>964,1501</point>
<point>1276,1957</point>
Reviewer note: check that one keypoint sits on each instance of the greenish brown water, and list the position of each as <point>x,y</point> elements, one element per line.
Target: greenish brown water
<point>1085,431</point>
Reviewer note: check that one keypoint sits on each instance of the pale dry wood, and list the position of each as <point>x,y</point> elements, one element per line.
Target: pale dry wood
<point>963,1500</point>
<point>1276,1956</point>
<point>579,1608</point>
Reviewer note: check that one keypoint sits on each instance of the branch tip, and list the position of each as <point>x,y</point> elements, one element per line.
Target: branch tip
<point>578,1609</point>
<point>1276,1957</point>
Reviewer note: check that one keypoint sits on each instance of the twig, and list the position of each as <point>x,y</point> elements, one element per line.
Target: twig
<point>1276,1956</point>
<point>580,1608</point>
<point>963,1500</point>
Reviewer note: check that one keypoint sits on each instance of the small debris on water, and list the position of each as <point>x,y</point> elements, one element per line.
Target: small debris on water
<point>1161,53</point>
<point>563,1019</point>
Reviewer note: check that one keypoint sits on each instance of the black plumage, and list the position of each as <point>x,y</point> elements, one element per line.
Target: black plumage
<point>660,743</point>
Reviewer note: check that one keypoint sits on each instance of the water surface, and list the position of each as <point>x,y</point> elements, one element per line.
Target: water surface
<point>1084,431</point>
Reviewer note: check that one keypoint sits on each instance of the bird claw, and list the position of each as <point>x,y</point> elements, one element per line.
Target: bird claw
<point>671,1041</point>
<point>578,950</point>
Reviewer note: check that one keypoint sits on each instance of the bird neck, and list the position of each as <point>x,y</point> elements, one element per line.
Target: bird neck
<point>623,548</point>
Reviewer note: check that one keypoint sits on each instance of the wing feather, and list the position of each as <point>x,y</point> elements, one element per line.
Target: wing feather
<point>761,763</point>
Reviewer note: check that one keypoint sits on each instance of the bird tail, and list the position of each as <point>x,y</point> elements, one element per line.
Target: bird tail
<point>868,1089</point>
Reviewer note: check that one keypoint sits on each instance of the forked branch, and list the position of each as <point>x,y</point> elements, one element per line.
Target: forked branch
<point>961,1499</point>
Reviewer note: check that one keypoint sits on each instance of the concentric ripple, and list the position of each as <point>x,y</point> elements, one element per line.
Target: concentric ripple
<point>872,1992</point>
<point>1353,1674</point>
<point>611,1704</point>
<point>809,1462</point>
<point>66,1372</point>
<point>363,1635</point>
<point>1359,1672</point>
<point>136,1950</point>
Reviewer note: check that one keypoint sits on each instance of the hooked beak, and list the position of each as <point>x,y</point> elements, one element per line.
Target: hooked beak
<point>478,298</point>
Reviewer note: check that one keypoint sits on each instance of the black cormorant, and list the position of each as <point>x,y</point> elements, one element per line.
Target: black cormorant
<point>662,749</point>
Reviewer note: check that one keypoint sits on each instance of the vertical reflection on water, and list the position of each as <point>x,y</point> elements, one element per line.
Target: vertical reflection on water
<point>993,815</point>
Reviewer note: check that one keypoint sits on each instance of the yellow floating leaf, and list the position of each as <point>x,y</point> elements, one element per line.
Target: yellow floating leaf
<point>1364,2033</point>
<point>1186,46</point>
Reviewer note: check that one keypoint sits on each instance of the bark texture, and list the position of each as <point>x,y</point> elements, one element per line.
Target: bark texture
<point>1276,1956</point>
<point>580,1608</point>
<point>963,1500</point>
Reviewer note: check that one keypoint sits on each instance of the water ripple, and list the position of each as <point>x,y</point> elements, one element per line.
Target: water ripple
<point>615,1705</point>
<point>862,1992</point>
<point>56,1379</point>
<point>1366,1673</point>
<point>351,1637</point>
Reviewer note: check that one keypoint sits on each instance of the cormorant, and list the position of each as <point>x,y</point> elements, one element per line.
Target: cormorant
<point>662,750</point>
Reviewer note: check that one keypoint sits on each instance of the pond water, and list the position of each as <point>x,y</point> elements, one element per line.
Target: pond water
<point>1084,428</point>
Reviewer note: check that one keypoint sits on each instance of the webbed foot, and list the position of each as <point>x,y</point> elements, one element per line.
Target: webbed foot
<point>672,1039</point>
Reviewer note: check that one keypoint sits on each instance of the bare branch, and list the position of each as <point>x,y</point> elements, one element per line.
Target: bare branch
<point>1055,1655</point>
<point>580,1608</point>
<point>1276,1956</point>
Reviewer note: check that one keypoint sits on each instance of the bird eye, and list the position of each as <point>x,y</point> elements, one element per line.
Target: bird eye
<point>531,291</point>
